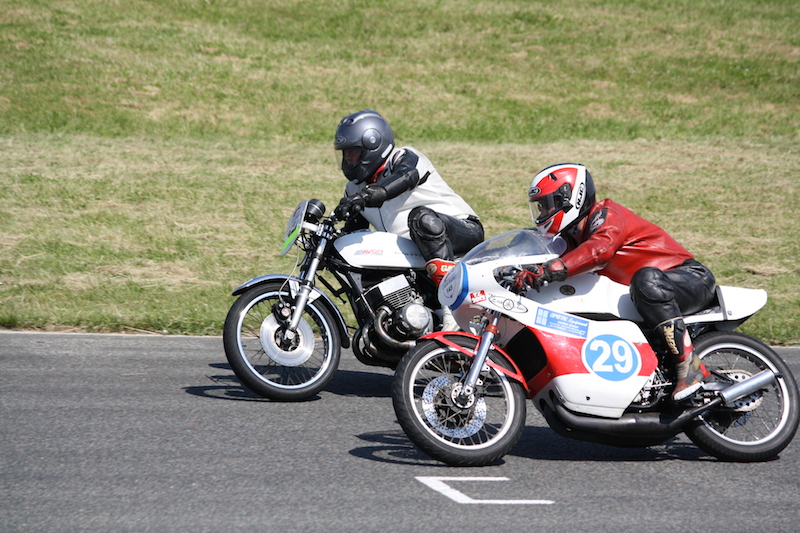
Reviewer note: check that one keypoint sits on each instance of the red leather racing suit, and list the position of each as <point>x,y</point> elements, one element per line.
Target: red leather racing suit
<point>616,242</point>
<point>666,281</point>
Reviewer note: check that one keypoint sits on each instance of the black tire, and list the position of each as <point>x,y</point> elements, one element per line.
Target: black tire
<point>474,436</point>
<point>293,374</point>
<point>759,426</point>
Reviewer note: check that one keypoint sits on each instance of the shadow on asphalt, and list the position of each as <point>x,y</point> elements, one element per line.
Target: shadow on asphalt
<point>344,383</point>
<point>537,443</point>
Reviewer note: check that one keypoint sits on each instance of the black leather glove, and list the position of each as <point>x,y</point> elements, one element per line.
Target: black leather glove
<point>538,276</point>
<point>352,205</point>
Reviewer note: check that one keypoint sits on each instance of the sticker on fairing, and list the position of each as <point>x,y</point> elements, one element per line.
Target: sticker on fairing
<point>568,324</point>
<point>611,357</point>
<point>508,305</point>
<point>477,297</point>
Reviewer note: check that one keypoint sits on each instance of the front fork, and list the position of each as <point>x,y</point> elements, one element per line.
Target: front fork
<point>304,291</point>
<point>479,359</point>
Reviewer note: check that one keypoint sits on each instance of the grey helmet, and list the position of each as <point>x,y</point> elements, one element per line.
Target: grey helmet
<point>369,132</point>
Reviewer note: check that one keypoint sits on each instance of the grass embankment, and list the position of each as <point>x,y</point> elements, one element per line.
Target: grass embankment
<point>151,152</point>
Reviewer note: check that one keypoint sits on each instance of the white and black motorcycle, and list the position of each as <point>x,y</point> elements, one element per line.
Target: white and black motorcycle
<point>283,335</point>
<point>577,350</point>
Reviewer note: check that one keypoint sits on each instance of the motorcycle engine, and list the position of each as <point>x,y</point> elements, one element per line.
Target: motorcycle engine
<point>653,390</point>
<point>413,320</point>
<point>392,317</point>
<point>403,315</point>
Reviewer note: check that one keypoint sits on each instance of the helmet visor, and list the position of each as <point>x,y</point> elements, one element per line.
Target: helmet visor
<point>543,208</point>
<point>352,156</point>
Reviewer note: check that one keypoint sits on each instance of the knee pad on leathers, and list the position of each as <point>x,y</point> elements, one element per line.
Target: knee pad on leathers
<point>653,296</point>
<point>430,233</point>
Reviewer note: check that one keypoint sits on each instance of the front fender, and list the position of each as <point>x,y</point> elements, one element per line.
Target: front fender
<point>316,294</point>
<point>451,339</point>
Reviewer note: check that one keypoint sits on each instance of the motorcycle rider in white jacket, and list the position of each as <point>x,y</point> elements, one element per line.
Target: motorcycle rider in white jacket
<point>398,190</point>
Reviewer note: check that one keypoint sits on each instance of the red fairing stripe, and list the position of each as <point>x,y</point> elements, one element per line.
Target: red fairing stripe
<point>570,354</point>
<point>570,358</point>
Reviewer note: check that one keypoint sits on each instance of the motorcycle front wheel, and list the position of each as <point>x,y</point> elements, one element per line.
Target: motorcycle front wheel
<point>476,433</point>
<point>278,369</point>
<point>756,427</point>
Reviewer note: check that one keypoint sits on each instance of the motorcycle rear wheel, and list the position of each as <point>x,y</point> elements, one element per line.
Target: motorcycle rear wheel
<point>423,389</point>
<point>282,373</point>
<point>759,426</point>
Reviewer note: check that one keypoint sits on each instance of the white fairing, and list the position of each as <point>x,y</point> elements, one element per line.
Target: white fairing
<point>606,357</point>
<point>594,294</point>
<point>597,352</point>
<point>589,294</point>
<point>377,249</point>
<point>613,354</point>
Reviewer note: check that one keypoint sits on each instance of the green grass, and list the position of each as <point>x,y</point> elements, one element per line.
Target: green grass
<point>150,152</point>
<point>505,71</point>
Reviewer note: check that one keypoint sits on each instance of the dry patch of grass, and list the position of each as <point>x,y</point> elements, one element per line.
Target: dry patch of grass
<point>153,235</point>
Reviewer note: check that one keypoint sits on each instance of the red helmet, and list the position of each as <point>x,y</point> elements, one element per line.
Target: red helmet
<point>560,196</point>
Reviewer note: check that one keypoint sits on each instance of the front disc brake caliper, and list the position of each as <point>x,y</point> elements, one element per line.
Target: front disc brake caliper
<point>282,311</point>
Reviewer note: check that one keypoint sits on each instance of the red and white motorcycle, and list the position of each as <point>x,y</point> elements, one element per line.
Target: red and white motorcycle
<point>577,350</point>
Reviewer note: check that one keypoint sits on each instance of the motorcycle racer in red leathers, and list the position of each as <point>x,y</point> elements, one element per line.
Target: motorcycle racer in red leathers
<point>665,279</point>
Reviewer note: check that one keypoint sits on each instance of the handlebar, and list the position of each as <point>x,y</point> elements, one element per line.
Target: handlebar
<point>506,276</point>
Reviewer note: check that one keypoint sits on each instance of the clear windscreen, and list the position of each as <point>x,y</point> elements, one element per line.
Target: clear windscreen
<point>515,243</point>
<point>293,227</point>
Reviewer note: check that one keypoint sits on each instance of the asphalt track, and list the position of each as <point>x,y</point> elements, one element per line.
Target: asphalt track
<point>116,433</point>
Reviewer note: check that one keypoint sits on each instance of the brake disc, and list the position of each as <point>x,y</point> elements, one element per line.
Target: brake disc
<point>301,348</point>
<point>444,416</point>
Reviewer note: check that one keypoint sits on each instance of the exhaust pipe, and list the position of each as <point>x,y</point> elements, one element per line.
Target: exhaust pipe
<point>383,314</point>
<point>747,387</point>
<point>658,425</point>
<point>653,425</point>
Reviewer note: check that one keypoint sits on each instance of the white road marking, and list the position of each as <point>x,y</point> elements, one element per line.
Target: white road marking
<point>438,484</point>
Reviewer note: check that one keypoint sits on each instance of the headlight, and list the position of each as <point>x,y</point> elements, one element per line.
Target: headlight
<point>314,211</point>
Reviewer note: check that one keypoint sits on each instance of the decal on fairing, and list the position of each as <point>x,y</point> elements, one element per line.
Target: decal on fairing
<point>477,297</point>
<point>568,324</point>
<point>508,305</point>
<point>611,357</point>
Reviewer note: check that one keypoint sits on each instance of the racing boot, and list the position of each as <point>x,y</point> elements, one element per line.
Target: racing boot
<point>689,370</point>
<point>437,268</point>
<point>448,322</point>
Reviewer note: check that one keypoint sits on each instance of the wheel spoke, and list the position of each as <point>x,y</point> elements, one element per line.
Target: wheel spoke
<point>754,418</point>
<point>268,361</point>
<point>468,426</point>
